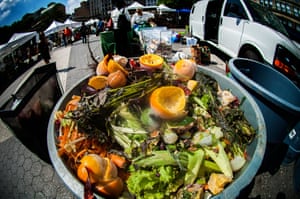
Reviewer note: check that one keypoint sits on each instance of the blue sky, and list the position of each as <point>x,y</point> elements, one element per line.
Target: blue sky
<point>14,10</point>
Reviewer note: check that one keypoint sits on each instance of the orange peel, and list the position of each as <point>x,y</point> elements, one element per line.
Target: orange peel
<point>151,61</point>
<point>114,66</point>
<point>102,66</point>
<point>98,82</point>
<point>168,102</point>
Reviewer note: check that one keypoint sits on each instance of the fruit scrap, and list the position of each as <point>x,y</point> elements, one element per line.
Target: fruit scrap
<point>114,66</point>
<point>116,79</point>
<point>98,82</point>
<point>102,66</point>
<point>168,102</point>
<point>151,61</point>
<point>185,69</point>
<point>102,173</point>
<point>217,182</point>
<point>110,72</point>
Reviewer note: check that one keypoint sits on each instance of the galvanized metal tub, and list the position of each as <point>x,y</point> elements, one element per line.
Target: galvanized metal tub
<point>242,179</point>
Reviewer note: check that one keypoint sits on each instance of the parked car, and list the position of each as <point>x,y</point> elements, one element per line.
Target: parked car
<point>243,28</point>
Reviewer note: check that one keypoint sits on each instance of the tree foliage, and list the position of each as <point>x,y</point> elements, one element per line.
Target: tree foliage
<point>32,22</point>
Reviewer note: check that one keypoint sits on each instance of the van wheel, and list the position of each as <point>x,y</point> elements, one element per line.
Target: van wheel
<point>251,54</point>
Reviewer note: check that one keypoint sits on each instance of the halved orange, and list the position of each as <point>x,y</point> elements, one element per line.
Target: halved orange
<point>151,61</point>
<point>98,82</point>
<point>168,102</point>
<point>114,66</point>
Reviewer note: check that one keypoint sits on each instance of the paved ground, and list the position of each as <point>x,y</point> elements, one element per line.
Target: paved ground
<point>23,175</point>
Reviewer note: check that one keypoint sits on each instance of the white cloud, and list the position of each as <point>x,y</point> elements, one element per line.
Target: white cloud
<point>6,7</point>
<point>7,4</point>
<point>4,14</point>
<point>71,5</point>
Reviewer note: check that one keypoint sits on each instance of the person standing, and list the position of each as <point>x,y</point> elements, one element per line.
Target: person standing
<point>100,26</point>
<point>44,47</point>
<point>121,33</point>
<point>83,32</point>
<point>140,19</point>
<point>68,34</point>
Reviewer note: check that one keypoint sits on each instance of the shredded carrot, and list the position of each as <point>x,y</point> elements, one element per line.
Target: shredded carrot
<point>205,186</point>
<point>227,142</point>
<point>79,155</point>
<point>73,103</point>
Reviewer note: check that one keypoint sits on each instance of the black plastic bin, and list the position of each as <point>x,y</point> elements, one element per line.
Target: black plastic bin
<point>28,109</point>
<point>279,101</point>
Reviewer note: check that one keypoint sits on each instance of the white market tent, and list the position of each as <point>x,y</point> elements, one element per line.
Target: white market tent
<point>164,8</point>
<point>21,38</point>
<point>91,22</point>
<point>54,27</point>
<point>71,23</point>
<point>17,40</point>
<point>135,5</point>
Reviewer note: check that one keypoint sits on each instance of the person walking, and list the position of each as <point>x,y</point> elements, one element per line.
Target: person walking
<point>43,47</point>
<point>83,32</point>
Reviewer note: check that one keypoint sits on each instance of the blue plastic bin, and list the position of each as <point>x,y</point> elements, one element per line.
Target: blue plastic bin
<point>277,96</point>
<point>279,101</point>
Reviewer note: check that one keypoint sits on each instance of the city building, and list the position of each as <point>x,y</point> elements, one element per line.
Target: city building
<point>288,11</point>
<point>100,8</point>
<point>82,13</point>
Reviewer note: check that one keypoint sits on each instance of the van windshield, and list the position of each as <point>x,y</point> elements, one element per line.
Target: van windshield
<point>265,17</point>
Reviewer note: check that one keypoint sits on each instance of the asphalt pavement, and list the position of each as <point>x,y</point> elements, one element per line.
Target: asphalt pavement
<point>26,176</point>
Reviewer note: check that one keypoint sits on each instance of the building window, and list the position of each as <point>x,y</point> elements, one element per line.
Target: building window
<point>298,27</point>
<point>266,3</point>
<point>296,12</point>
<point>288,9</point>
<point>278,7</point>
<point>283,7</point>
<point>262,2</point>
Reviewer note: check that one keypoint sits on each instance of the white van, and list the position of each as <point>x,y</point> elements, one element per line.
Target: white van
<point>243,28</point>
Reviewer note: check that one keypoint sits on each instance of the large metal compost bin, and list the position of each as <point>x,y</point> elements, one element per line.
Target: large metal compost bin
<point>277,97</point>
<point>255,150</point>
<point>29,106</point>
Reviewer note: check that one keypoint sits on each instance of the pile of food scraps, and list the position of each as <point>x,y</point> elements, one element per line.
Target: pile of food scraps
<point>146,129</point>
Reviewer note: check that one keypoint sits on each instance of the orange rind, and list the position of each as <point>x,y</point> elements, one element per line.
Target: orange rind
<point>151,61</point>
<point>102,66</point>
<point>114,66</point>
<point>98,82</point>
<point>168,102</point>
